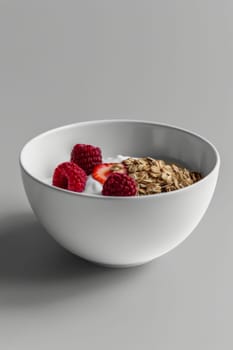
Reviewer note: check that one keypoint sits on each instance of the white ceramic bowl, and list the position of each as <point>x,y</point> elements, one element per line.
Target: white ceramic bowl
<point>119,231</point>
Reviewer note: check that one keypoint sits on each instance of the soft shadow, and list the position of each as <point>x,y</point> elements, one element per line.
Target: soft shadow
<point>35,269</point>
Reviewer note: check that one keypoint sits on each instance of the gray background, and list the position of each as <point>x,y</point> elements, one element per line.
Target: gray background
<point>68,61</point>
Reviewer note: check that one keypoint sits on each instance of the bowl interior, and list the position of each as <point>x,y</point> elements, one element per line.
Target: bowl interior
<point>43,153</point>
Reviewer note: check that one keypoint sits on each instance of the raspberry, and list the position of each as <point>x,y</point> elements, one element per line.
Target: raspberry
<point>119,185</point>
<point>86,156</point>
<point>69,176</point>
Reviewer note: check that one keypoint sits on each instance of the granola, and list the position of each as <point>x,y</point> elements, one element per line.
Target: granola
<point>156,176</point>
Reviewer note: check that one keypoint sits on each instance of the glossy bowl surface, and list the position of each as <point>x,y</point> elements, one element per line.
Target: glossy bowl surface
<point>119,231</point>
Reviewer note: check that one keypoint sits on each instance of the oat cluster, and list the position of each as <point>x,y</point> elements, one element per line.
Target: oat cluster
<point>156,176</point>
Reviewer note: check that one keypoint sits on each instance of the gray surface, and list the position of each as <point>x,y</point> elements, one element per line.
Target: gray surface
<point>67,61</point>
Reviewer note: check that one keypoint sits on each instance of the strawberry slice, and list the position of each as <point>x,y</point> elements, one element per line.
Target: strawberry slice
<point>102,171</point>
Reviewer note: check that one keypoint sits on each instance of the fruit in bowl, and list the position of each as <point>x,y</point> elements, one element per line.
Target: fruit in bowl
<point>123,210</point>
<point>132,176</point>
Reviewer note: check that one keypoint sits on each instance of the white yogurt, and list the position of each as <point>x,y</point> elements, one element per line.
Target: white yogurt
<point>93,186</point>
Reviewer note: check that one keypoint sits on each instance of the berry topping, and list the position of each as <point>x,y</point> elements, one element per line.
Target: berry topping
<point>102,171</point>
<point>69,176</point>
<point>119,185</point>
<point>86,156</point>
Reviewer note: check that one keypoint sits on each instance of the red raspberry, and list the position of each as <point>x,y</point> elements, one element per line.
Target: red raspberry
<point>119,185</point>
<point>69,176</point>
<point>86,156</point>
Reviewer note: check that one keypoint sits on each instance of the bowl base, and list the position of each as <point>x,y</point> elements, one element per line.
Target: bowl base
<point>117,266</point>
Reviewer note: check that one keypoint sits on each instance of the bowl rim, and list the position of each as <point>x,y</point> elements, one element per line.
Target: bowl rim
<point>106,121</point>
